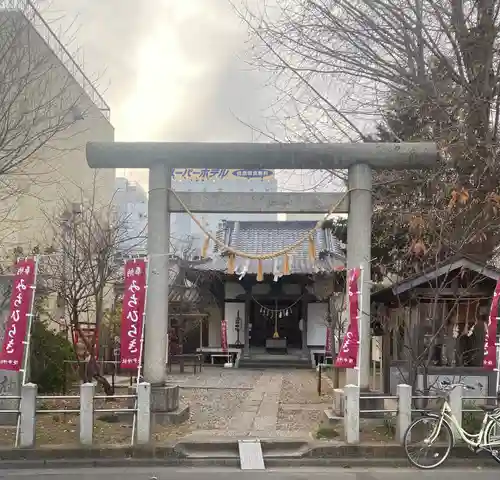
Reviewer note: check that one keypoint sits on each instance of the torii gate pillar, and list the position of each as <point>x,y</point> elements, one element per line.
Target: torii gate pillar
<point>359,234</point>
<point>160,158</point>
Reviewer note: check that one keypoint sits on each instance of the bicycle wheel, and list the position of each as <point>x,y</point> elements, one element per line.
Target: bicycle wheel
<point>427,454</point>
<point>492,436</point>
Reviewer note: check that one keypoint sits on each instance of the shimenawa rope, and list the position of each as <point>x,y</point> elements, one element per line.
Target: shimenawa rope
<point>262,256</point>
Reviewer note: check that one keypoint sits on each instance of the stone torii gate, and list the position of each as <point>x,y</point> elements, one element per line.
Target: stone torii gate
<point>161,158</point>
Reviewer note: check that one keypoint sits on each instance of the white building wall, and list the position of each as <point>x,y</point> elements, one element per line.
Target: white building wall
<point>131,201</point>
<point>316,323</point>
<point>55,175</point>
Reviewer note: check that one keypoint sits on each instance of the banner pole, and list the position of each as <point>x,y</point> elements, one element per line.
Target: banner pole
<point>497,346</point>
<point>141,353</point>
<point>27,342</point>
<point>358,319</point>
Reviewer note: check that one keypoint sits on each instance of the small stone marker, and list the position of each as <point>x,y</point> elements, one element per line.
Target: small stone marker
<point>251,455</point>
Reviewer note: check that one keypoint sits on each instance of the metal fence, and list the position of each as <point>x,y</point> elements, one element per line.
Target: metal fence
<point>138,409</point>
<point>349,404</point>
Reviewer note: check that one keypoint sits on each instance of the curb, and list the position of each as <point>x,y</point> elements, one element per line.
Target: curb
<point>224,453</point>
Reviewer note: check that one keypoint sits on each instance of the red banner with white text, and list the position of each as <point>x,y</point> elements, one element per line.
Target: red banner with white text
<point>490,350</point>
<point>134,299</point>
<point>11,356</point>
<point>348,354</point>
<point>328,342</point>
<point>223,335</point>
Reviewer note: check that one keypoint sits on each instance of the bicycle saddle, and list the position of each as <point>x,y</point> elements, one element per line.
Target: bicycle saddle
<point>489,408</point>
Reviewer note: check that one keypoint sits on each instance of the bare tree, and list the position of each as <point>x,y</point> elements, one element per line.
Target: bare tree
<point>39,100</point>
<point>43,94</point>
<point>87,261</point>
<point>338,65</point>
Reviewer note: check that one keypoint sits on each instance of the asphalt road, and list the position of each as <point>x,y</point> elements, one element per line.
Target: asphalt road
<point>159,473</point>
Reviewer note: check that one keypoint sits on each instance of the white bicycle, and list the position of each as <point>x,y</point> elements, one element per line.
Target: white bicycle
<point>437,431</point>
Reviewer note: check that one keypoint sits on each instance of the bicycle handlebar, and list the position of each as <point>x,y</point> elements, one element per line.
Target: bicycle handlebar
<point>446,385</point>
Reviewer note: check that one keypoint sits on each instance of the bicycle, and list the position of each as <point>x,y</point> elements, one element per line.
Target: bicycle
<point>443,423</point>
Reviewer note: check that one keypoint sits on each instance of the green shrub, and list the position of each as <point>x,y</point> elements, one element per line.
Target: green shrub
<point>49,350</point>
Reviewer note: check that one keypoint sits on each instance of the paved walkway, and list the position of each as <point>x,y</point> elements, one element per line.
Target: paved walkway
<point>242,403</point>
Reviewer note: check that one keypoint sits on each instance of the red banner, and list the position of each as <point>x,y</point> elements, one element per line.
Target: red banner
<point>11,356</point>
<point>134,299</point>
<point>223,335</point>
<point>348,354</point>
<point>328,342</point>
<point>490,336</point>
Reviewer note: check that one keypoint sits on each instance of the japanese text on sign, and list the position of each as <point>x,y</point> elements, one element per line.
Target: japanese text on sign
<point>12,352</point>
<point>348,354</point>
<point>133,313</point>
<point>203,174</point>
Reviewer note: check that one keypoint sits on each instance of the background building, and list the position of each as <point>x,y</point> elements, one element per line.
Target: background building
<point>131,202</point>
<point>50,109</point>
<point>185,233</point>
<point>56,111</point>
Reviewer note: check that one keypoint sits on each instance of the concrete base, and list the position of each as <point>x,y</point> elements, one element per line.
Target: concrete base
<point>331,419</point>
<point>179,415</point>
<point>165,406</point>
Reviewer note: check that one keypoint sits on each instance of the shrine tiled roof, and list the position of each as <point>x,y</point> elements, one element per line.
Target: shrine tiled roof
<point>256,237</point>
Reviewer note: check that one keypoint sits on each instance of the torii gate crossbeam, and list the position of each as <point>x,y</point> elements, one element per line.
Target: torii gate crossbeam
<point>161,158</point>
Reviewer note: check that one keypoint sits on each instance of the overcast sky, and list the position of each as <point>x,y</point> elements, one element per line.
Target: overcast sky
<point>171,70</point>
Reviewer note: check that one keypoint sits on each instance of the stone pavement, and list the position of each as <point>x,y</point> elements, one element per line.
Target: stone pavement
<point>242,403</point>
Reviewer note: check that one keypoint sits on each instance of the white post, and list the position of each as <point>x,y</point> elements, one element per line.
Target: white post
<point>359,224</point>
<point>141,354</point>
<point>404,411</point>
<point>143,413</point>
<point>156,328</point>
<point>351,414</point>
<point>456,397</point>
<point>338,402</point>
<point>86,413</point>
<point>27,413</point>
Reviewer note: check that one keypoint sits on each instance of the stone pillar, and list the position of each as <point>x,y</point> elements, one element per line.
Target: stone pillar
<point>404,411</point>
<point>456,403</point>
<point>27,412</point>
<point>86,413</point>
<point>143,430</point>
<point>351,414</point>
<point>156,333</point>
<point>359,230</point>
<point>246,325</point>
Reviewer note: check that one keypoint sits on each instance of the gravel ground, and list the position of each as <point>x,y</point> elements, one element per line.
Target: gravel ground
<point>217,377</point>
<point>298,420</point>
<point>213,409</point>
<point>300,387</point>
<point>216,398</point>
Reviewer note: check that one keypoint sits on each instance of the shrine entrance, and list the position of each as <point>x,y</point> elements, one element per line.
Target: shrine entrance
<point>271,317</point>
<point>162,158</point>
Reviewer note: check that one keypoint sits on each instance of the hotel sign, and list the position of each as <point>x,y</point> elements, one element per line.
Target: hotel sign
<point>203,174</point>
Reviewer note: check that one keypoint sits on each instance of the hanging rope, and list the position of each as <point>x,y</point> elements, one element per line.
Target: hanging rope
<point>263,256</point>
<point>263,307</point>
